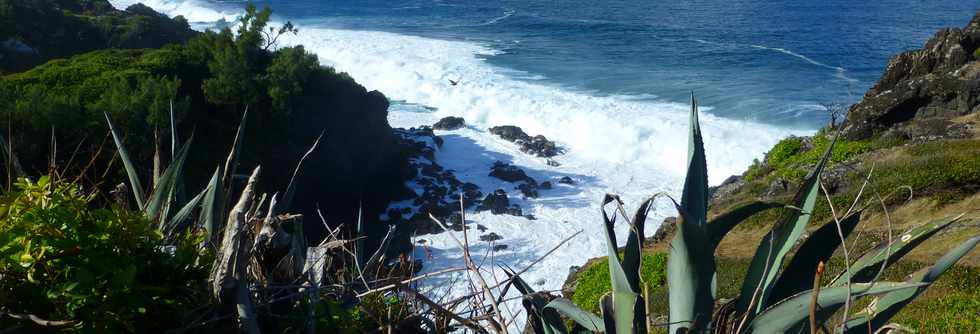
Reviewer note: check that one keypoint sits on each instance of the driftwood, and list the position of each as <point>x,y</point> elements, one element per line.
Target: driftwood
<point>228,276</point>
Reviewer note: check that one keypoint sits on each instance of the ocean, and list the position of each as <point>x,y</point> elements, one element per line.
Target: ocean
<point>610,81</point>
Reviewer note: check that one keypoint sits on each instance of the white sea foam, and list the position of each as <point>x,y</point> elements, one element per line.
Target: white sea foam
<point>631,145</point>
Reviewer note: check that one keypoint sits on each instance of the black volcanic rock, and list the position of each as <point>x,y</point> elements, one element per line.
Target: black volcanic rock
<point>497,202</point>
<point>490,237</point>
<point>566,180</point>
<point>509,173</point>
<point>940,81</point>
<point>537,146</point>
<point>449,123</point>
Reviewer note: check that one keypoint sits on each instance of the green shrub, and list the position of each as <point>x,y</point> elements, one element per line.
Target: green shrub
<point>594,281</point>
<point>104,269</point>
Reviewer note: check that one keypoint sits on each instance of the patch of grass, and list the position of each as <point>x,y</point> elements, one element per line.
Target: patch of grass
<point>943,170</point>
<point>594,282</point>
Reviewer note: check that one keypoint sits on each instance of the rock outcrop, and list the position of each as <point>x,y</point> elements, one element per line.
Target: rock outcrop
<point>449,123</point>
<point>922,90</point>
<point>538,146</point>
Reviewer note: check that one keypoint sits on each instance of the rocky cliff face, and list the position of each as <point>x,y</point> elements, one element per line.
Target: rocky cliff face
<point>920,89</point>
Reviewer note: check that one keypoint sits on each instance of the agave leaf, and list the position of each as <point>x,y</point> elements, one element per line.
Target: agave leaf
<point>864,269</point>
<point>691,262</point>
<point>777,243</point>
<point>690,277</point>
<point>163,192</point>
<point>134,178</point>
<point>787,313</point>
<point>632,253</point>
<point>724,223</point>
<point>617,275</point>
<point>582,317</point>
<point>176,223</point>
<point>212,205</point>
<point>520,284</point>
<point>231,163</point>
<point>173,132</point>
<point>886,306</point>
<point>13,162</point>
<point>819,247</point>
<point>359,247</point>
<point>287,199</point>
<point>694,197</point>
<point>608,313</point>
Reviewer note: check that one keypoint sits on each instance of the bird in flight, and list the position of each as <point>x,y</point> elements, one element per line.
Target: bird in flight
<point>456,82</point>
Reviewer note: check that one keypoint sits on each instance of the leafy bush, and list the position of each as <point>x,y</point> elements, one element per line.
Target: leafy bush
<point>103,269</point>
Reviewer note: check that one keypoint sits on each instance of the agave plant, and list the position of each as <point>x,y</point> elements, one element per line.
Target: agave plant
<point>166,195</point>
<point>777,294</point>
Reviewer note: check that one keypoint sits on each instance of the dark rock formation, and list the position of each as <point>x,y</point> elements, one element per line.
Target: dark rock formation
<point>566,180</point>
<point>940,81</point>
<point>436,189</point>
<point>498,203</point>
<point>449,123</point>
<point>490,237</point>
<point>509,173</point>
<point>537,146</point>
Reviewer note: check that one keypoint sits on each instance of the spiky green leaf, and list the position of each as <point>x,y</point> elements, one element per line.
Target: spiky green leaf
<point>724,223</point>
<point>769,256</point>
<point>179,221</point>
<point>819,247</point>
<point>287,199</point>
<point>787,313</point>
<point>608,313</point>
<point>582,317</point>
<point>865,268</point>
<point>212,204</point>
<point>883,308</point>
<point>134,178</point>
<point>163,193</point>
<point>617,274</point>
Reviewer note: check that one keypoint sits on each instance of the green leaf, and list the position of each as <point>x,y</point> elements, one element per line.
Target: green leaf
<point>13,162</point>
<point>691,262</point>
<point>134,178</point>
<point>211,205</point>
<point>883,308</point>
<point>865,268</point>
<point>163,193</point>
<point>617,275</point>
<point>724,223</point>
<point>231,163</point>
<point>287,199</point>
<point>787,313</point>
<point>632,253</point>
<point>694,197</point>
<point>777,243</point>
<point>584,318</point>
<point>608,313</point>
<point>176,223</point>
<point>819,247</point>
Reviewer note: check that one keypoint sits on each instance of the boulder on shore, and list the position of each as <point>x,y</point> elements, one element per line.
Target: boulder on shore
<point>449,123</point>
<point>538,145</point>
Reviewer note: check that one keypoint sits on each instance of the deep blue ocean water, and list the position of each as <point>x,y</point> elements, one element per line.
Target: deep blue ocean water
<point>769,61</point>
